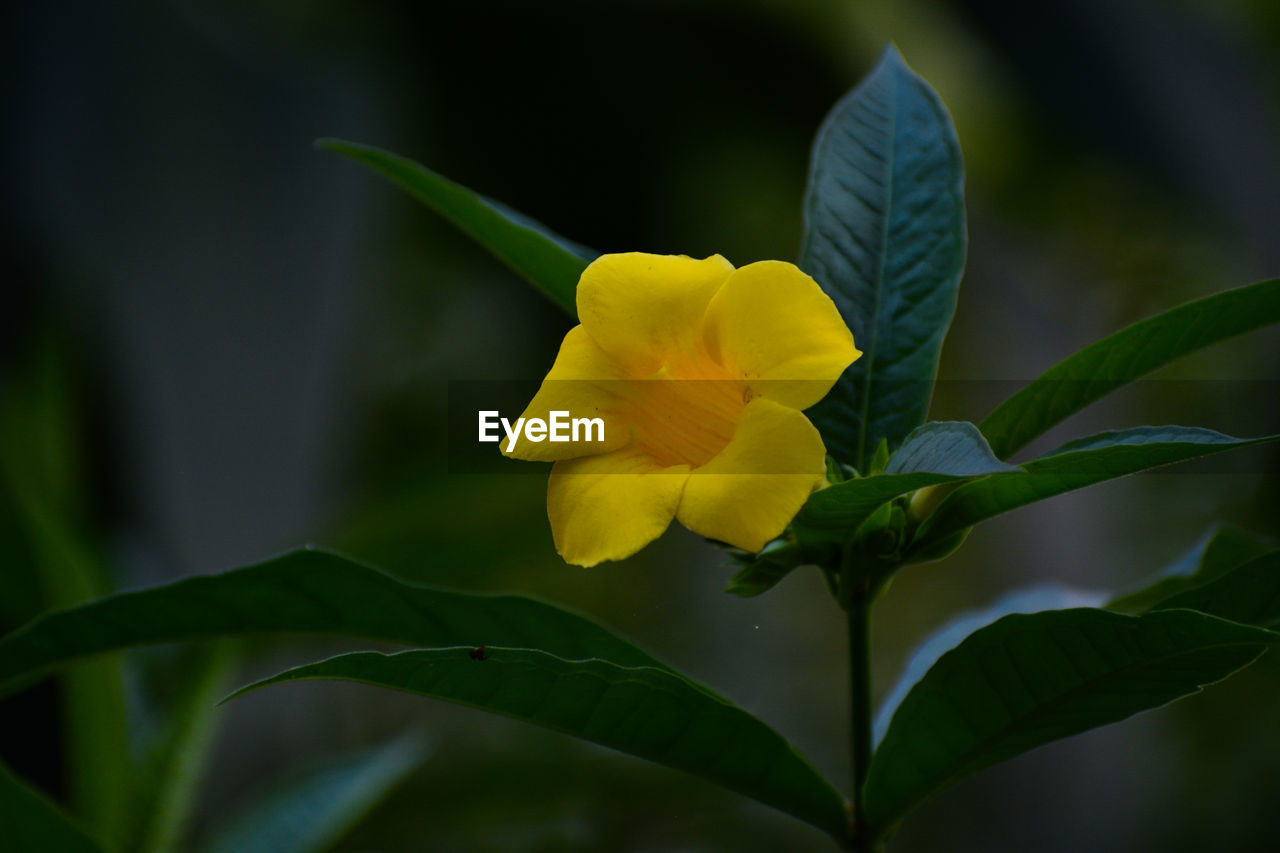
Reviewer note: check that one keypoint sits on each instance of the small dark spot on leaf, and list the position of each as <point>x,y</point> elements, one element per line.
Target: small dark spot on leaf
<point>479,653</point>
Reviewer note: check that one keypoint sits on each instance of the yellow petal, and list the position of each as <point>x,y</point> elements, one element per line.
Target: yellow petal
<point>584,382</point>
<point>772,326</point>
<point>609,507</point>
<point>748,493</point>
<point>646,309</point>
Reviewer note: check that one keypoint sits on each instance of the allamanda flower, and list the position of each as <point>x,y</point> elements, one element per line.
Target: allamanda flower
<point>699,372</point>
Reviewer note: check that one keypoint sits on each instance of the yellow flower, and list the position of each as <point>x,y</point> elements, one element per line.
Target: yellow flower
<point>699,372</point>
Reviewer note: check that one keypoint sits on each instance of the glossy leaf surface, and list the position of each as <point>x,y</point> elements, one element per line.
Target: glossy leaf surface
<point>1030,600</point>
<point>1074,465</point>
<point>937,452</point>
<point>1029,679</point>
<point>643,711</point>
<point>885,237</point>
<point>309,591</point>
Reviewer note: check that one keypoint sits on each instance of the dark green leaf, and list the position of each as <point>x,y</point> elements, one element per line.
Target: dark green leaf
<point>1030,600</point>
<point>761,572</point>
<point>1126,355</point>
<point>310,813</point>
<point>165,785</point>
<point>28,821</point>
<point>837,473</point>
<point>547,261</point>
<point>838,510</point>
<point>1074,465</point>
<point>40,452</point>
<point>1249,593</point>
<point>1029,679</point>
<point>1222,550</point>
<point>879,459</point>
<point>640,710</point>
<point>937,452</point>
<point>309,591</point>
<point>885,238</point>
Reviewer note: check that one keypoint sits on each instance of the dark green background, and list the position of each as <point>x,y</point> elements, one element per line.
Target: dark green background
<point>255,340</point>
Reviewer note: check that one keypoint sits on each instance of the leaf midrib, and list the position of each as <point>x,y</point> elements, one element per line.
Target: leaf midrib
<point>882,255</point>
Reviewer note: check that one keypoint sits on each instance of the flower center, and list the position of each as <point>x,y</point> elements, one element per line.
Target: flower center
<point>686,413</point>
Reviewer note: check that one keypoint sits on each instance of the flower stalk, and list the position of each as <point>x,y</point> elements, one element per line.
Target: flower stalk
<point>857,593</point>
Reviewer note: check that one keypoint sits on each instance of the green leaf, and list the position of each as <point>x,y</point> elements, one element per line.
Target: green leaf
<point>166,784</point>
<point>1222,550</point>
<point>952,448</point>
<point>880,459</point>
<point>40,468</point>
<point>1126,355</point>
<point>937,452</point>
<point>885,238</point>
<point>1029,600</point>
<point>312,812</point>
<point>28,821</point>
<point>549,262</point>
<point>1074,465</point>
<point>1029,679</point>
<point>640,710</point>
<point>310,591</point>
<point>761,572</point>
<point>1249,593</point>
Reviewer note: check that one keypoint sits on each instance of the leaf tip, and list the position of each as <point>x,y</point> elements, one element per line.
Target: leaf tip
<point>238,692</point>
<point>891,59</point>
<point>339,146</point>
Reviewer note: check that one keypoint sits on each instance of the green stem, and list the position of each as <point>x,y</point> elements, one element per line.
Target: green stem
<point>857,596</point>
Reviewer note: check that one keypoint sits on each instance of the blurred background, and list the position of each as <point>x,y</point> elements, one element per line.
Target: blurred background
<point>217,343</point>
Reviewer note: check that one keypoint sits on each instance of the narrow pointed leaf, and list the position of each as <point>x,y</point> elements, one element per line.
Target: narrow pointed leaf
<point>166,783</point>
<point>1029,679</point>
<point>1074,465</point>
<point>1124,356</point>
<point>880,458</point>
<point>1224,549</point>
<point>310,591</point>
<point>642,710</point>
<point>314,811</point>
<point>937,452</point>
<point>28,821</point>
<point>39,455</point>
<point>549,262</point>
<point>885,237</point>
<point>1249,593</point>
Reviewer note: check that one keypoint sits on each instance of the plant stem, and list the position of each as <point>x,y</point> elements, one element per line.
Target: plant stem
<point>857,596</point>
